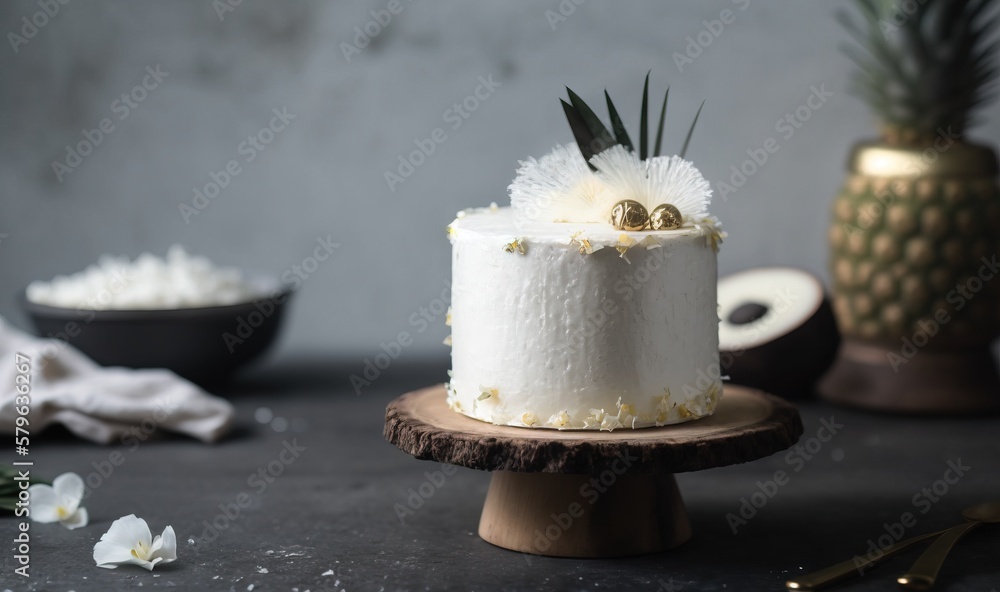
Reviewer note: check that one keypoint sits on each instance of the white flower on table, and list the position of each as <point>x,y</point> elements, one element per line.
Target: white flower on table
<point>59,502</point>
<point>129,541</point>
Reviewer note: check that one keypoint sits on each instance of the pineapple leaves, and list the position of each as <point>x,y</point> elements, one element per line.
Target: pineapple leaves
<point>870,9</point>
<point>925,68</point>
<point>848,24</point>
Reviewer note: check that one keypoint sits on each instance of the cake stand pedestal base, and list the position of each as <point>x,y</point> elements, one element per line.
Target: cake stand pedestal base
<point>576,493</point>
<point>930,382</point>
<point>566,515</point>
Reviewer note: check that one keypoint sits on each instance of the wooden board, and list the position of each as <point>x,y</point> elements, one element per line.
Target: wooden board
<point>747,425</point>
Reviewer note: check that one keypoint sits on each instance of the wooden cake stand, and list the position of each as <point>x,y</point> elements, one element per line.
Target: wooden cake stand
<point>586,493</point>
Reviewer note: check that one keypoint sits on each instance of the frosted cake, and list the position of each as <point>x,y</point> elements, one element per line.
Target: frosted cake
<point>590,302</point>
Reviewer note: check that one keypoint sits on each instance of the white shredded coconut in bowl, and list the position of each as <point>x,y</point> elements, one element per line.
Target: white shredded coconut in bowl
<point>180,280</point>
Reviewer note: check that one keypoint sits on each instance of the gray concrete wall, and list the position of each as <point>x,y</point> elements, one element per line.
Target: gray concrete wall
<point>356,111</point>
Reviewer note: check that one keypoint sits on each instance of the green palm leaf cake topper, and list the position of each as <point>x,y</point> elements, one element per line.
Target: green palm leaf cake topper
<point>593,137</point>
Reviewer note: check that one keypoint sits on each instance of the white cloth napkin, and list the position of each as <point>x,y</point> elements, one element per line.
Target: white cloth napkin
<point>102,404</point>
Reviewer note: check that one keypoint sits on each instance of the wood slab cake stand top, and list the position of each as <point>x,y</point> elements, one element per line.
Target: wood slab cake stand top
<point>577,493</point>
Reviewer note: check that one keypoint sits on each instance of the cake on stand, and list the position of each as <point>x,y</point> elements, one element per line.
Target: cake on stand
<point>579,493</point>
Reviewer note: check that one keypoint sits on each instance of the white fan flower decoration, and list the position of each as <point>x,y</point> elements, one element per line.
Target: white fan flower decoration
<point>559,187</point>
<point>655,181</point>
<point>575,183</point>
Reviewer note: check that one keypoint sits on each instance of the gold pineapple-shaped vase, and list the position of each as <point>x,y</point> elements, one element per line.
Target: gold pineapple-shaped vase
<point>915,231</point>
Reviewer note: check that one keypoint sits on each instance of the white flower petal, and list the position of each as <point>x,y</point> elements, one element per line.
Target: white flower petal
<point>116,545</point>
<point>108,553</point>
<point>129,530</point>
<point>76,520</point>
<point>69,487</point>
<point>44,503</point>
<point>130,561</point>
<point>165,546</point>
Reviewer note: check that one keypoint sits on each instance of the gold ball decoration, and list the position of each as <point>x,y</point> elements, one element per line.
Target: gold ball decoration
<point>665,217</point>
<point>629,214</point>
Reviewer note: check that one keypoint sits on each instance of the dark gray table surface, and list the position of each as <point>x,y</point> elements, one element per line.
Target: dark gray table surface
<point>330,520</point>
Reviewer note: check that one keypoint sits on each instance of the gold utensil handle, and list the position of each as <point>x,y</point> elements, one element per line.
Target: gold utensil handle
<point>924,572</point>
<point>851,567</point>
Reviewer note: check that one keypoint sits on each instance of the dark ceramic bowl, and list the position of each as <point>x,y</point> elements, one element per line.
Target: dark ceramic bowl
<point>205,344</point>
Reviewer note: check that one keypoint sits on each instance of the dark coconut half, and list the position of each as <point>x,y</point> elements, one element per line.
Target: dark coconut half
<point>776,331</point>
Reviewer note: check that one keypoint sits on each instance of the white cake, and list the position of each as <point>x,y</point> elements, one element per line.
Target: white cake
<point>590,303</point>
<point>553,327</point>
